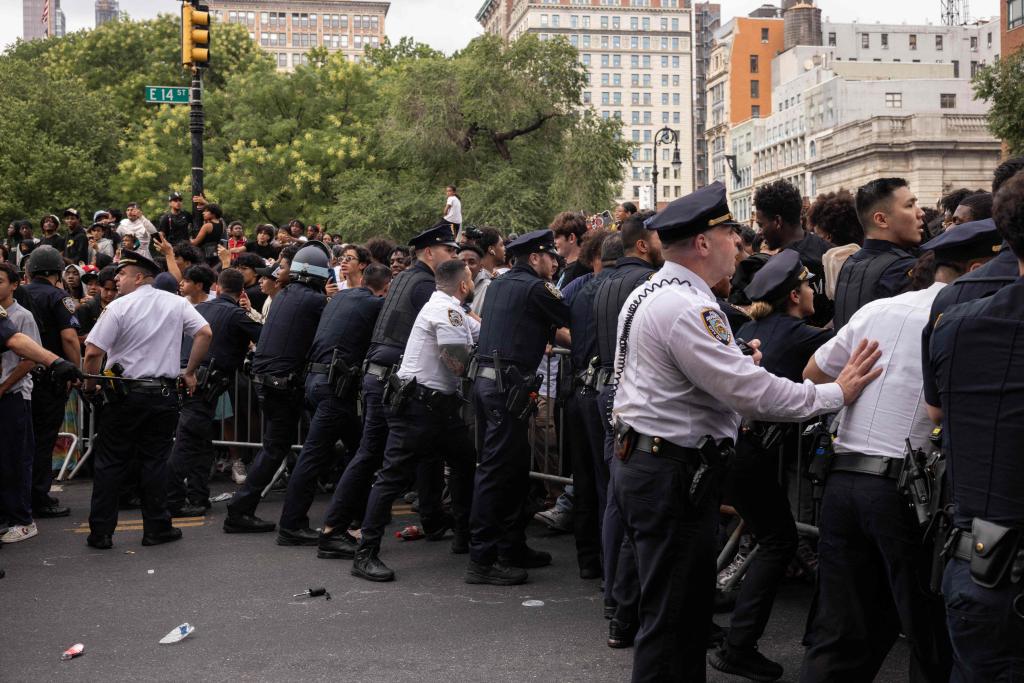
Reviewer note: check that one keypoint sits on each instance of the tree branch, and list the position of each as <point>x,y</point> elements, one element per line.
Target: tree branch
<point>501,139</point>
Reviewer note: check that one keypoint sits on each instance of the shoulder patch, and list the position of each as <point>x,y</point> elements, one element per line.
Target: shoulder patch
<point>650,275</point>
<point>552,290</point>
<point>715,325</point>
<point>69,304</point>
<point>454,317</point>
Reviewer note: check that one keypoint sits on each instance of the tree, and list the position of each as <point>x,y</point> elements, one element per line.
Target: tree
<point>1002,84</point>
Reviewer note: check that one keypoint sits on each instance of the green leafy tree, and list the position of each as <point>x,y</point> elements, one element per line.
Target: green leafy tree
<point>1002,84</point>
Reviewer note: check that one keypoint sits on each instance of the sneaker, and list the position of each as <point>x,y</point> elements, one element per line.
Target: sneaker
<point>726,575</point>
<point>807,557</point>
<point>238,472</point>
<point>555,520</point>
<point>19,532</point>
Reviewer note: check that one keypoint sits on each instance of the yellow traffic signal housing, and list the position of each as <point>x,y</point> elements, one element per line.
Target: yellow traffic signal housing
<point>195,35</point>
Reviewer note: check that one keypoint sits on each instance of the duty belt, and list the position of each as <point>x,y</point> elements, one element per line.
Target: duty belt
<point>659,447</point>
<point>878,466</point>
<point>593,378</point>
<point>157,385</point>
<point>436,400</point>
<point>274,381</point>
<point>379,371</point>
<point>319,368</point>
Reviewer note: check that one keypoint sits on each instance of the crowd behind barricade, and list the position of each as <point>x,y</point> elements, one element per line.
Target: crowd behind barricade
<point>678,355</point>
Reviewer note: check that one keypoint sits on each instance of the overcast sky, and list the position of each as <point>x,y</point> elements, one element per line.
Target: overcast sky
<point>449,24</point>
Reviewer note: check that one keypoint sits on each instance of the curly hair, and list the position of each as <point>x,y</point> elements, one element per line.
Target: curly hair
<point>1008,213</point>
<point>1005,171</point>
<point>952,200</point>
<point>779,198</point>
<point>980,204</point>
<point>590,250</point>
<point>380,249</point>
<point>835,214</point>
<point>569,223</point>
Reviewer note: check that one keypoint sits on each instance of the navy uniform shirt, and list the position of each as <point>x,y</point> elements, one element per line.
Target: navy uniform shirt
<point>976,375</point>
<point>233,330</point>
<point>288,331</point>
<point>54,312</point>
<point>737,317</point>
<point>346,325</point>
<point>895,280</point>
<point>387,354</point>
<point>583,318</point>
<point>787,343</point>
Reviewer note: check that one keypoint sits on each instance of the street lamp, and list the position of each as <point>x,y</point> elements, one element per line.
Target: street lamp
<point>663,137</point>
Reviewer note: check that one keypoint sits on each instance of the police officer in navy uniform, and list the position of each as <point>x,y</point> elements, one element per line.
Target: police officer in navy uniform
<point>974,387</point>
<point>783,299</point>
<point>278,371</point>
<point>683,385</point>
<point>54,312</point>
<point>425,413</point>
<point>331,392</point>
<point>409,291</point>
<point>233,331</point>
<point>521,314</point>
<point>893,226</point>
<point>642,257</point>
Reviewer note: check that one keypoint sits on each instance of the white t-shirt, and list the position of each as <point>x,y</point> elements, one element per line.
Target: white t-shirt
<point>891,408</point>
<point>142,331</point>
<point>140,229</point>
<point>453,210</point>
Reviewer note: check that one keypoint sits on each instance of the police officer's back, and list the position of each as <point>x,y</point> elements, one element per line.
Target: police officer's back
<point>893,225</point>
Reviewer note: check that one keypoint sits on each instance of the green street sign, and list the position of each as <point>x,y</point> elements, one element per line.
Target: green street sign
<point>167,94</point>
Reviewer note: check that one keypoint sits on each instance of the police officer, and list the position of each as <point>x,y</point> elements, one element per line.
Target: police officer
<point>54,312</point>
<point>176,224</point>
<point>278,371</point>
<point>782,299</point>
<point>331,389</point>
<point>683,384</point>
<point>140,331</point>
<point>893,225</point>
<point>522,310</point>
<point>424,413</point>
<point>193,451</point>
<point>409,291</point>
<point>974,385</point>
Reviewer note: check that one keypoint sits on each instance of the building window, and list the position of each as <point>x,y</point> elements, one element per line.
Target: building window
<point>893,100</point>
<point>753,64</point>
<point>885,41</point>
<point>764,35</point>
<point>865,40</point>
<point>947,101</point>
<point>956,68</point>
<point>974,69</point>
<point>755,111</point>
<point>755,88</point>
<point>832,39</point>
<point>974,43</point>
<point>938,43</point>
<point>912,38</point>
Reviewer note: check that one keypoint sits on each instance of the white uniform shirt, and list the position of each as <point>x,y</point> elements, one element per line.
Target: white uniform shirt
<point>142,331</point>
<point>140,229</point>
<point>684,376</point>
<point>453,210</point>
<point>440,322</point>
<point>891,409</point>
<point>22,319</point>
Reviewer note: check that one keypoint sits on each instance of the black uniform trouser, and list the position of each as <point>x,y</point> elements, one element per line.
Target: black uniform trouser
<point>333,419</point>
<point>192,456</point>
<point>987,636</point>
<point>871,586</point>
<point>499,517</point>
<point>417,433</point>
<point>621,584</point>
<point>348,503</point>
<point>282,410</point>
<point>17,448</point>
<point>589,474</point>
<point>48,401</point>
<point>752,487</point>
<point>675,555</point>
<point>136,430</point>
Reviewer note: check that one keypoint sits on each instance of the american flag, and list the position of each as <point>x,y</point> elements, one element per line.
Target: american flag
<point>46,16</point>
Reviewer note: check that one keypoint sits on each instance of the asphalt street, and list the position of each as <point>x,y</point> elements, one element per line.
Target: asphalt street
<point>237,591</point>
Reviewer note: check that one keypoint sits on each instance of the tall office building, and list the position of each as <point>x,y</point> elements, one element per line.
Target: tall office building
<point>41,19</point>
<point>106,10</point>
<point>288,29</point>
<point>639,60</point>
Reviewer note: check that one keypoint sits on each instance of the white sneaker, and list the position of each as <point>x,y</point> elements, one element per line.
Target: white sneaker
<point>554,519</point>
<point>19,532</point>
<point>238,473</point>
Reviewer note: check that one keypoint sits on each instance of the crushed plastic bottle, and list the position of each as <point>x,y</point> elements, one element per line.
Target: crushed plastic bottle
<point>221,497</point>
<point>410,533</point>
<point>178,634</point>
<point>73,651</point>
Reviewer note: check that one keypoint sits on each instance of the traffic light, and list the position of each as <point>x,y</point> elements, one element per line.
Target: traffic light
<point>195,34</point>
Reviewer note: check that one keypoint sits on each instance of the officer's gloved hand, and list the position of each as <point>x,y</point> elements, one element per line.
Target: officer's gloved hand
<point>62,371</point>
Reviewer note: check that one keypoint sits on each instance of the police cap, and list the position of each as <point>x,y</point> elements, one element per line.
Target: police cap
<point>976,239</point>
<point>134,258</point>
<point>442,233</point>
<point>780,275</point>
<point>166,282</point>
<point>538,241</point>
<point>45,259</point>
<point>692,214</point>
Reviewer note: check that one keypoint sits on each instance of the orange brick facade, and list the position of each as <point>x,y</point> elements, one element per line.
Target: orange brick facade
<point>763,39</point>
<point>1011,40</point>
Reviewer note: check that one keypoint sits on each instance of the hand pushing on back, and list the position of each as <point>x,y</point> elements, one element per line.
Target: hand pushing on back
<point>860,370</point>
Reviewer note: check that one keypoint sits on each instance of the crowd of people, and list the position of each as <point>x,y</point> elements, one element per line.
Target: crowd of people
<point>694,345</point>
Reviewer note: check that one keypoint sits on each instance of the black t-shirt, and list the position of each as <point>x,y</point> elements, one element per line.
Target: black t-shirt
<point>811,249</point>
<point>256,297</point>
<point>571,272</point>
<point>264,251</point>
<point>176,227</point>
<point>54,240</point>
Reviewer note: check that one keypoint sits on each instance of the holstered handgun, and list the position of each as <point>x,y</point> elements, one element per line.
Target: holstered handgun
<point>822,454</point>
<point>343,378</point>
<point>400,392</point>
<point>625,440</point>
<point>714,459</point>
<point>915,484</point>
<point>520,392</point>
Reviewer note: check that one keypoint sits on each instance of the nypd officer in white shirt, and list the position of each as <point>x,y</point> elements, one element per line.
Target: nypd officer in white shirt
<point>682,385</point>
<point>436,356</point>
<point>141,330</point>
<point>869,587</point>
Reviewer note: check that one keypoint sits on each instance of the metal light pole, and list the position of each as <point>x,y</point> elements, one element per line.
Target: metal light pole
<point>196,123</point>
<point>663,137</point>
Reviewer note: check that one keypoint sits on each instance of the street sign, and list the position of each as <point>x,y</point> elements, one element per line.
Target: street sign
<point>166,94</point>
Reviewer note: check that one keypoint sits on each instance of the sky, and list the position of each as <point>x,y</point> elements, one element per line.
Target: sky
<point>448,25</point>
